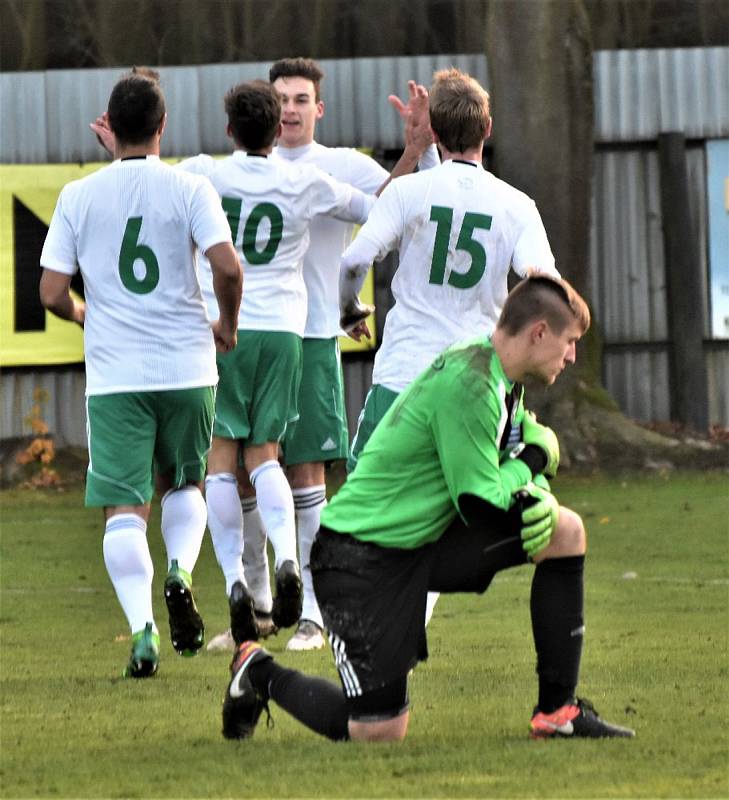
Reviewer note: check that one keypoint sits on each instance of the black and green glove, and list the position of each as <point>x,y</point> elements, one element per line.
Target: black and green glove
<point>539,515</point>
<point>543,437</point>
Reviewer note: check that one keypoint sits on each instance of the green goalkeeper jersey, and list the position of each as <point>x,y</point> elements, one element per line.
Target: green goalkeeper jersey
<point>444,437</point>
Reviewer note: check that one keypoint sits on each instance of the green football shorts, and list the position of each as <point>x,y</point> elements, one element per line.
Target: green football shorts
<point>258,387</point>
<point>377,402</point>
<point>321,433</point>
<point>131,435</point>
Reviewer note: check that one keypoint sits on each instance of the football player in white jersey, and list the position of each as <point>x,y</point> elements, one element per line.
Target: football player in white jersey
<point>263,309</point>
<point>322,435</point>
<point>132,229</point>
<point>458,230</point>
<point>269,205</point>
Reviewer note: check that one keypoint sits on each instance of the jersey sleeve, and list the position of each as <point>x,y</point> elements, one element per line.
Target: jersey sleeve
<point>532,246</point>
<point>59,249</point>
<point>380,234</point>
<point>199,165</point>
<point>209,224</point>
<point>336,199</point>
<point>429,159</point>
<point>364,173</point>
<point>467,431</point>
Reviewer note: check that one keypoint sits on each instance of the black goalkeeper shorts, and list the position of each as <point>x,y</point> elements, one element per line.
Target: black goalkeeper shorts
<point>373,599</point>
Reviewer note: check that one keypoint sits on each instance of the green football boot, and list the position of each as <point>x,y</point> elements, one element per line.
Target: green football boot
<point>187,630</point>
<point>144,658</point>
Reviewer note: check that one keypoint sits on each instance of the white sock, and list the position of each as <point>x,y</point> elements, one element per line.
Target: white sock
<point>308,503</point>
<point>225,521</point>
<point>129,564</point>
<point>430,605</point>
<point>255,556</point>
<point>276,506</point>
<point>183,525</point>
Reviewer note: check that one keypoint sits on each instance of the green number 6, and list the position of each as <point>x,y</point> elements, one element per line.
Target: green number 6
<point>131,250</point>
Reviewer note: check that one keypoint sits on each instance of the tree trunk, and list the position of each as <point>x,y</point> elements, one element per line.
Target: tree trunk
<point>540,69</point>
<point>540,66</point>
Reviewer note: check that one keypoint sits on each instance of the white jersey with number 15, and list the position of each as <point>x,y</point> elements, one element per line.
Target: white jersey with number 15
<point>459,230</point>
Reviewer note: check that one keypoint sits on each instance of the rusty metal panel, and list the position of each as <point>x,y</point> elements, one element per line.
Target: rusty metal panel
<point>214,80</point>
<point>627,281</point>
<point>73,99</point>
<point>23,113</point>
<point>627,278</point>
<point>717,367</point>
<point>64,411</point>
<point>641,93</point>
<point>354,92</point>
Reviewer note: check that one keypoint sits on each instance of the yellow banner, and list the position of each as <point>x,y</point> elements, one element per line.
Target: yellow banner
<point>28,334</point>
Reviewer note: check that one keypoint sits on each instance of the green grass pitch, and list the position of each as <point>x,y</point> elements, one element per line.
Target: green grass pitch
<point>656,658</point>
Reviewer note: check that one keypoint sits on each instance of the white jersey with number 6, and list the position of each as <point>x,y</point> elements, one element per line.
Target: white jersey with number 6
<point>132,228</point>
<point>269,204</point>
<point>459,230</point>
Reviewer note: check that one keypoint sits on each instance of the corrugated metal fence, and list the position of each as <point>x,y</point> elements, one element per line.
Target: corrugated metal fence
<point>638,94</point>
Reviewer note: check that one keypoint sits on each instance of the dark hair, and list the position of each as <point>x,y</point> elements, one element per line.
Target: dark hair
<point>459,110</point>
<point>146,72</point>
<point>543,297</point>
<point>298,68</point>
<point>254,114</point>
<point>136,106</point>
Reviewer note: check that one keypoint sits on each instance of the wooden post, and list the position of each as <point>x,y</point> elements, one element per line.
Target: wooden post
<point>688,376</point>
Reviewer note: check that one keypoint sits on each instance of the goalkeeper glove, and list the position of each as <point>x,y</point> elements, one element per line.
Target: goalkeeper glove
<point>539,514</point>
<point>354,314</point>
<point>544,438</point>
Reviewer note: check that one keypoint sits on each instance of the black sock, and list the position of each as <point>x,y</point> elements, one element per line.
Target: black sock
<point>557,602</point>
<point>317,703</point>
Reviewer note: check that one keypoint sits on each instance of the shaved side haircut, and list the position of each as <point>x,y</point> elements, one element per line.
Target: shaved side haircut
<point>543,297</point>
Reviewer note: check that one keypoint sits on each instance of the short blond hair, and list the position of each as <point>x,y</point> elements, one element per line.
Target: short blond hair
<point>459,110</point>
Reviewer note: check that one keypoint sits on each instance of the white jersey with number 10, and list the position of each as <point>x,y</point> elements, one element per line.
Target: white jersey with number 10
<point>269,204</point>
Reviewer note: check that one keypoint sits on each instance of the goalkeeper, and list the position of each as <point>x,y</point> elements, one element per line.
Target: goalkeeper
<point>438,502</point>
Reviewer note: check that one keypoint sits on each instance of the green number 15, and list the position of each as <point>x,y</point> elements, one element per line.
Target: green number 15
<point>443,218</point>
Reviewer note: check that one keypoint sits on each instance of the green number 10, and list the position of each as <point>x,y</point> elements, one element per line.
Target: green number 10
<point>443,218</point>
<point>232,207</point>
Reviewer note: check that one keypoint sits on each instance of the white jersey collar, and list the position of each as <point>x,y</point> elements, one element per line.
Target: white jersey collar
<point>292,153</point>
<point>137,161</point>
<point>459,163</point>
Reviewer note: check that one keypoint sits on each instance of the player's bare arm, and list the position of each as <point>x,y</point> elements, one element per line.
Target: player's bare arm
<point>353,312</point>
<point>418,135</point>
<point>55,294</point>
<point>104,134</point>
<point>228,287</point>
